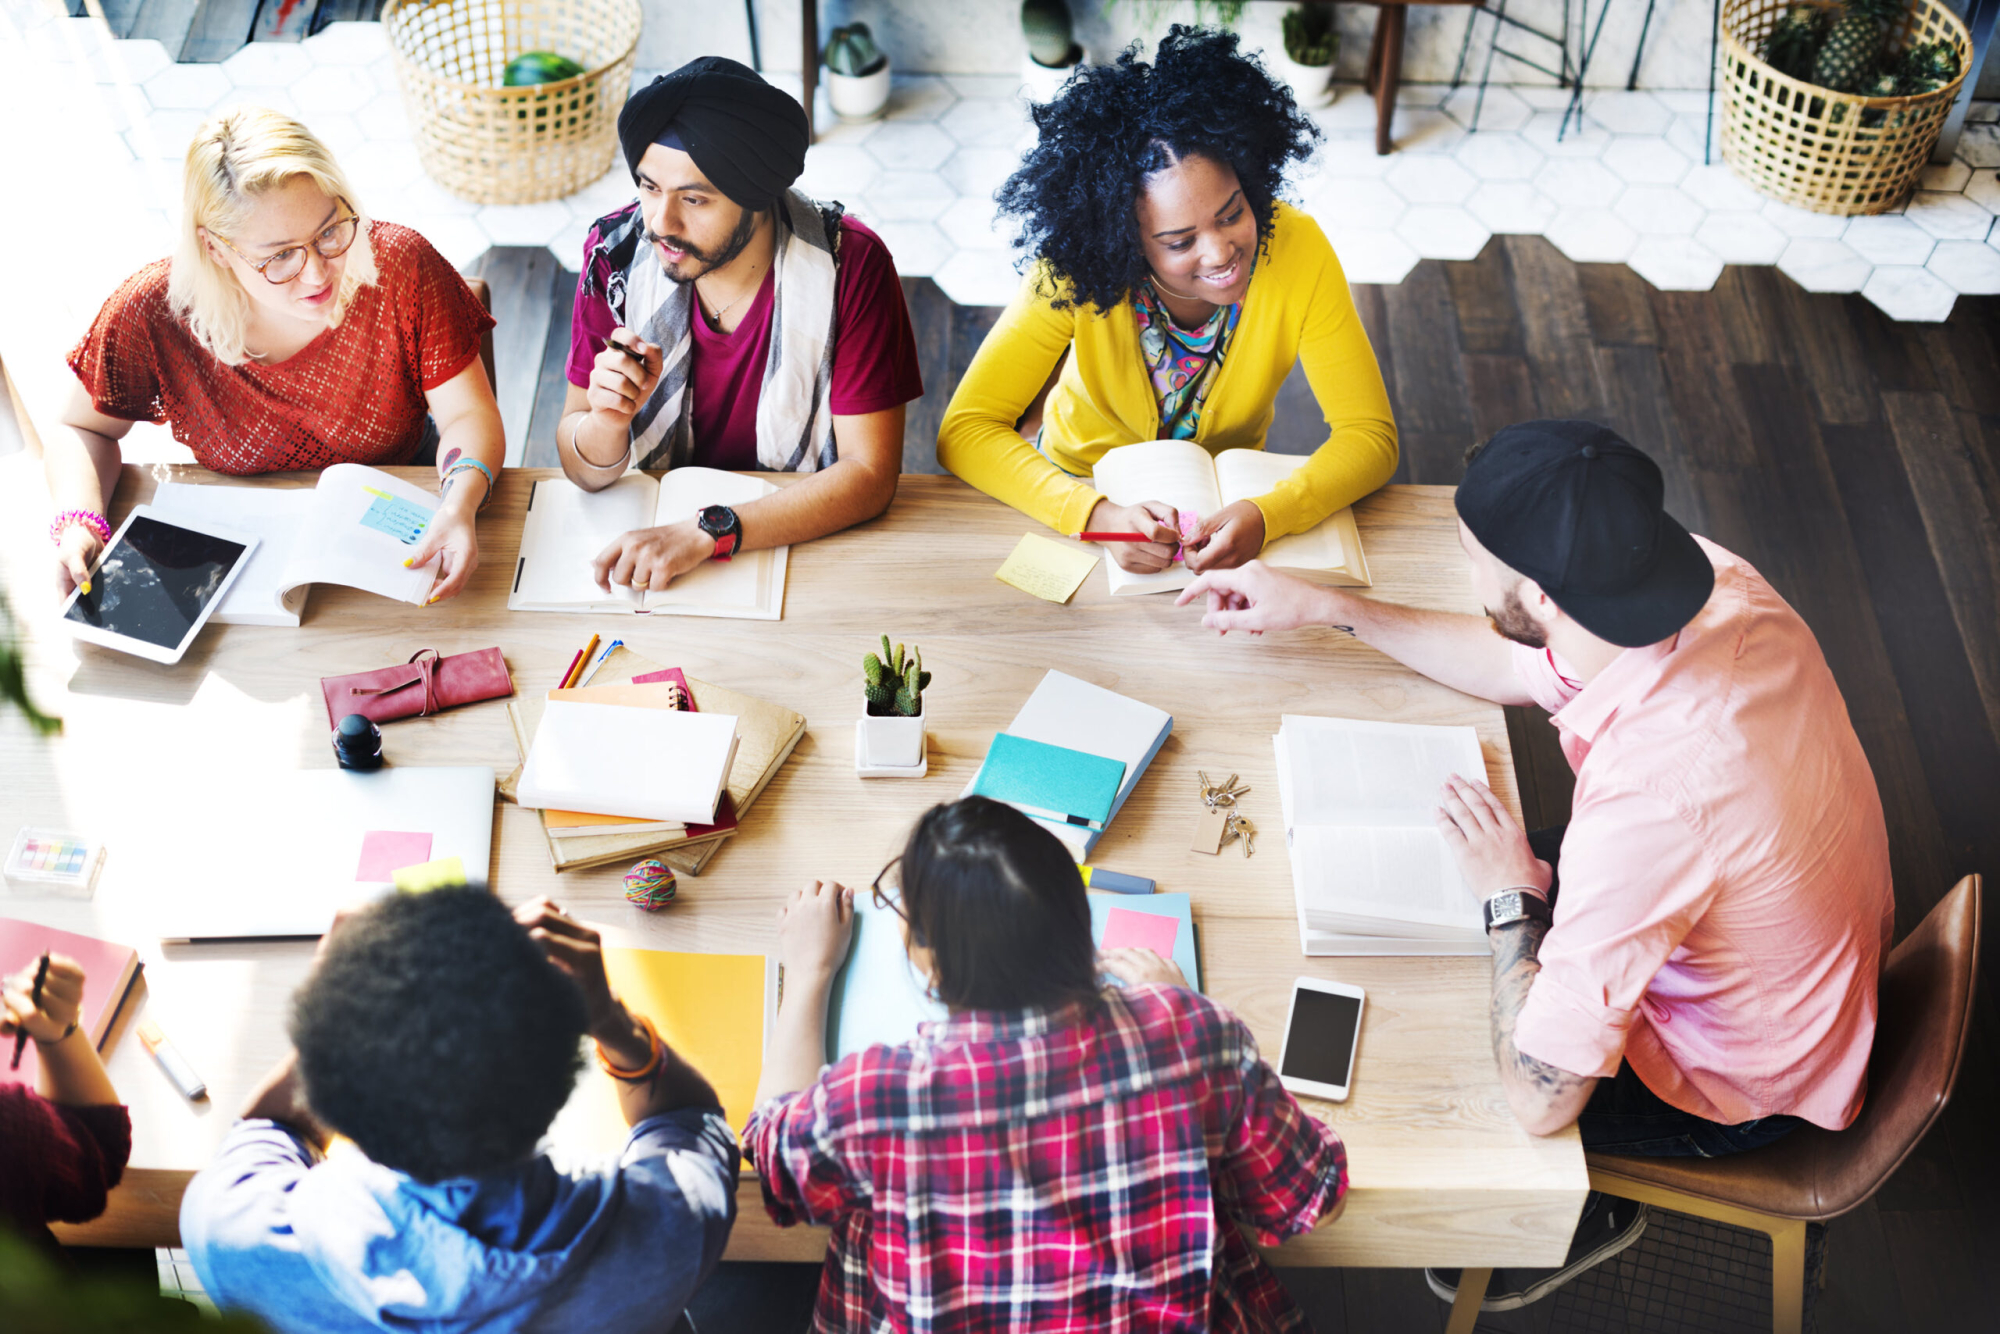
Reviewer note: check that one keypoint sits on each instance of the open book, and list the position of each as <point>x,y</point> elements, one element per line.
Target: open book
<point>567,526</point>
<point>356,527</point>
<point>1370,872</point>
<point>1188,477</point>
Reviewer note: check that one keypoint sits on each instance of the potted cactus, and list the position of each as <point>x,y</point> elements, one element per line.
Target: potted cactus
<point>1052,49</point>
<point>1305,61</point>
<point>892,726</point>
<point>857,83</point>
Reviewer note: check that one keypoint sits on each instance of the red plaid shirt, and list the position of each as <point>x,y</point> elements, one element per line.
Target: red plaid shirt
<point>1052,1171</point>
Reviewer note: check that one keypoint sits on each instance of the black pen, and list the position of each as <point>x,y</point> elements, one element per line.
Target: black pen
<point>613,342</point>
<point>21,1037</point>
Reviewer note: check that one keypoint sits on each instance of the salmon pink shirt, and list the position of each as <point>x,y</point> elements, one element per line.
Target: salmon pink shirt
<point>1725,900</point>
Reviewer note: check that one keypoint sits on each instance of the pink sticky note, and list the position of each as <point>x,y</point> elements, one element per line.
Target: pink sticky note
<point>1125,927</point>
<point>387,851</point>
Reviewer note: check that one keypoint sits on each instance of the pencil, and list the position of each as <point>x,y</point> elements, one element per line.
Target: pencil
<point>21,1035</point>
<point>571,668</point>
<point>582,661</point>
<point>1113,537</point>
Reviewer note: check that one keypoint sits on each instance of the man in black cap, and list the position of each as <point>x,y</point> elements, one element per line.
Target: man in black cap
<point>1705,981</point>
<point>727,320</point>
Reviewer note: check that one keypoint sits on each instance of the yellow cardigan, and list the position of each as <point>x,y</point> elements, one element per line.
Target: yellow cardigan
<point>1297,308</point>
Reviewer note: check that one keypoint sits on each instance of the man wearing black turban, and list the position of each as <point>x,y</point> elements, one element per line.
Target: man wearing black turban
<point>726,319</point>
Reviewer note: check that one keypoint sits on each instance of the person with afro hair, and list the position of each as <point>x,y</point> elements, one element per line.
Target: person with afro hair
<point>1168,294</point>
<point>441,1033</point>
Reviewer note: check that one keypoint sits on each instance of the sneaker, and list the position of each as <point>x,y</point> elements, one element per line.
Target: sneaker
<point>1608,1226</point>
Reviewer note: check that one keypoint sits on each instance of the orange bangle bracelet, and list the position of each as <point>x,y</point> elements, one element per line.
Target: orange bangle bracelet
<point>645,1071</point>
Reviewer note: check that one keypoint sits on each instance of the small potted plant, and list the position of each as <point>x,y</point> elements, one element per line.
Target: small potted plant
<point>1052,49</point>
<point>892,728</point>
<point>857,83</point>
<point>1312,43</point>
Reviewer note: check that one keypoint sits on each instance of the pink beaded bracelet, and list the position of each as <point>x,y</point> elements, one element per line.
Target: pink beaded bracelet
<point>90,519</point>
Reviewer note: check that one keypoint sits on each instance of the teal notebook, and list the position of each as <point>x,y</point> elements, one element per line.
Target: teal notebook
<point>1050,782</point>
<point>877,996</point>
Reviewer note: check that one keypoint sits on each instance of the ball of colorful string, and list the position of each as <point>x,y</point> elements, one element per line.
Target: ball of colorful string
<point>650,885</point>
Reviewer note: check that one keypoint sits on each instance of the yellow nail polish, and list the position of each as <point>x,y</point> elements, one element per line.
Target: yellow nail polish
<point>407,564</point>
<point>86,585</point>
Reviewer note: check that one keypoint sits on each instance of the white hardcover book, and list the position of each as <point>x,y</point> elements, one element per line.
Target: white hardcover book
<point>1187,477</point>
<point>356,527</point>
<point>648,764</point>
<point>567,527</point>
<point>1370,873</point>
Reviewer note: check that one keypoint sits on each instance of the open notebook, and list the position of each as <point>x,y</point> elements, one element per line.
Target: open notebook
<point>356,527</point>
<point>567,526</point>
<point>1370,872</point>
<point>1188,477</point>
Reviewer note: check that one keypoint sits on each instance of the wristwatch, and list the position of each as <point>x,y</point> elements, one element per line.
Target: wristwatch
<point>720,522</point>
<point>1517,905</point>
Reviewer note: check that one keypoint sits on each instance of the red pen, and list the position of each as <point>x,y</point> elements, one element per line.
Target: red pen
<point>572,667</point>
<point>1112,537</point>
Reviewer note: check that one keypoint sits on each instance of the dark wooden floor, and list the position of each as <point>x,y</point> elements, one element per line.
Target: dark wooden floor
<point>1855,461</point>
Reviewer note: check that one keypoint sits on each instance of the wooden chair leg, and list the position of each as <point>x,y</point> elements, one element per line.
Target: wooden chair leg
<point>1465,1307</point>
<point>1390,27</point>
<point>1373,72</point>
<point>1788,1240</point>
<point>1788,1278</point>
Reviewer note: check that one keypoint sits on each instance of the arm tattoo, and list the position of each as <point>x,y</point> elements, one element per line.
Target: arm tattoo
<point>1514,969</point>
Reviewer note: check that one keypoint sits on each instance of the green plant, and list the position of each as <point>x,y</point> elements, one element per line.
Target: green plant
<point>38,1297</point>
<point>1155,14</point>
<point>1310,35</point>
<point>14,676</point>
<point>892,683</point>
<point>1853,45</point>
<point>852,51</point>
<point>1051,35</point>
<point>1794,41</point>
<point>1925,68</point>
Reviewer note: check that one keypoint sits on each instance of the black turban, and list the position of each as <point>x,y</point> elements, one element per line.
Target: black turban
<point>747,137</point>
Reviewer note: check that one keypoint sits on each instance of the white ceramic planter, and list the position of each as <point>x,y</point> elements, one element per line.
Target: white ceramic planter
<point>1312,85</point>
<point>856,97</point>
<point>1040,83</point>
<point>895,742</point>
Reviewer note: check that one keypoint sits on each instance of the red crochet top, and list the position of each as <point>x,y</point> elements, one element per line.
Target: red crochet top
<point>355,394</point>
<point>57,1163</point>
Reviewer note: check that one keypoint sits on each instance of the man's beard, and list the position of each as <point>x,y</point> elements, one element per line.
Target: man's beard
<point>1513,622</point>
<point>746,227</point>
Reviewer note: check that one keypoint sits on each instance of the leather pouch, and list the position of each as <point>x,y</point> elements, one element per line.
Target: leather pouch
<point>426,684</point>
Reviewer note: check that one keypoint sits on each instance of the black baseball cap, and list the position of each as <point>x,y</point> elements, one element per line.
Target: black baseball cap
<point>1577,509</point>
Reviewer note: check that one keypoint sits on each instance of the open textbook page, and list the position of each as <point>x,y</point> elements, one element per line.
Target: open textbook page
<point>356,527</point>
<point>1185,476</point>
<point>567,527</point>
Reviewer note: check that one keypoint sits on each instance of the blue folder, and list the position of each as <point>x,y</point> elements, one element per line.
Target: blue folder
<point>1051,782</point>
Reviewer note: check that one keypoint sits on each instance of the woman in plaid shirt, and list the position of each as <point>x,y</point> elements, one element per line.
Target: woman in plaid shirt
<point>1053,1155</point>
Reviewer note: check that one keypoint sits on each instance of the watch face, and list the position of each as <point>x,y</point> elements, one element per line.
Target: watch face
<point>1504,907</point>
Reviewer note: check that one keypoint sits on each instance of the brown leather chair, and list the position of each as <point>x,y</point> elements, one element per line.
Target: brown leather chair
<point>485,295</point>
<point>1812,1175</point>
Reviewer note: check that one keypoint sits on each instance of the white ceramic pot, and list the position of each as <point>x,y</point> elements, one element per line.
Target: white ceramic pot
<point>858,96</point>
<point>1312,85</point>
<point>1040,83</point>
<point>894,742</point>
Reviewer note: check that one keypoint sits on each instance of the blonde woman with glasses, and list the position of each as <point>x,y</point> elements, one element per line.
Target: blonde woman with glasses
<point>288,331</point>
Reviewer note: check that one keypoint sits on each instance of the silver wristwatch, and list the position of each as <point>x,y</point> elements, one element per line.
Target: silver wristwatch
<point>1517,905</point>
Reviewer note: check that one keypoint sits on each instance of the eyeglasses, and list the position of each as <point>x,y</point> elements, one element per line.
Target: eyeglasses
<point>892,897</point>
<point>290,262</point>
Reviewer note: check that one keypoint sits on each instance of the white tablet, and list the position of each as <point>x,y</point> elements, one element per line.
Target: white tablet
<point>156,584</point>
<point>1322,1032</point>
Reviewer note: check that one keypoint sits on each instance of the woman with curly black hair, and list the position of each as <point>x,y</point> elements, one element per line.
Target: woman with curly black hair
<point>1171,292</point>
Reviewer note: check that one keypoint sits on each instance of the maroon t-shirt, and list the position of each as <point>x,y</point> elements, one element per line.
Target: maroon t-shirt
<point>874,350</point>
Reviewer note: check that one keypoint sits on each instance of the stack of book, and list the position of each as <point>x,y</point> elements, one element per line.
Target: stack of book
<point>1072,756</point>
<point>1370,872</point>
<point>728,747</point>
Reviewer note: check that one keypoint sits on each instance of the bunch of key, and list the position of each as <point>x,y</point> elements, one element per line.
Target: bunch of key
<point>1221,798</point>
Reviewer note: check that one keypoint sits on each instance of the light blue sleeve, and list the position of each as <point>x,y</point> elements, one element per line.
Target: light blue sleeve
<point>679,1171</point>
<point>234,1217</point>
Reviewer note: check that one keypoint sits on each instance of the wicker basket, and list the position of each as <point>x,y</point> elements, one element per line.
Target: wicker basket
<point>1821,150</point>
<point>498,145</point>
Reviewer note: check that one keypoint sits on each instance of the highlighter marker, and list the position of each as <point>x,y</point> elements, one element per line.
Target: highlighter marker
<point>185,1079</point>
<point>1095,877</point>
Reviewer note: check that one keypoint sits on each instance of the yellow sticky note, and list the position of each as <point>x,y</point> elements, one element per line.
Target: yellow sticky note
<point>444,873</point>
<point>1048,569</point>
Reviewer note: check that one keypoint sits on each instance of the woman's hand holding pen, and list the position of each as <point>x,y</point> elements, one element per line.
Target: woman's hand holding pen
<point>1154,518</point>
<point>46,1014</point>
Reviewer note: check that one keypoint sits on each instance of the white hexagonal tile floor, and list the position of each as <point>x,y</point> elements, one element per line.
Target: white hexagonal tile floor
<point>1626,184</point>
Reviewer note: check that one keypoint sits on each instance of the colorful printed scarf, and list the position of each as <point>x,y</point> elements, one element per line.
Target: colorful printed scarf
<point>1182,363</point>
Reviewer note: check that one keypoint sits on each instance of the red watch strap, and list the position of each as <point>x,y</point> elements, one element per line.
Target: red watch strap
<point>725,547</point>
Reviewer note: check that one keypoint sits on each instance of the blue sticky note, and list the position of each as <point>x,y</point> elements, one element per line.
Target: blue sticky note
<point>1174,907</point>
<point>397,517</point>
<point>876,995</point>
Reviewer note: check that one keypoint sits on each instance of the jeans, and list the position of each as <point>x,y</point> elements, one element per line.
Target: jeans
<point>1624,1116</point>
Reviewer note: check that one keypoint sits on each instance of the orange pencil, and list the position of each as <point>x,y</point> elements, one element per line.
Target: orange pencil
<point>582,659</point>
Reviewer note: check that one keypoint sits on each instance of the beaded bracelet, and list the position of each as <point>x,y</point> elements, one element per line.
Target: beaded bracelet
<point>646,1071</point>
<point>460,467</point>
<point>90,519</point>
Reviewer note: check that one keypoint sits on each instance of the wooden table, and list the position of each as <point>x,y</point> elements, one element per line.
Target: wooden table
<point>1442,1173</point>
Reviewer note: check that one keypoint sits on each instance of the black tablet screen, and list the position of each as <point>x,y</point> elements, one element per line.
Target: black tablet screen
<point>154,582</point>
<point>1321,1042</point>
